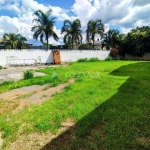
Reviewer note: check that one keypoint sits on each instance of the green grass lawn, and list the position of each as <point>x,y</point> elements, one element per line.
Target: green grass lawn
<point>110,112</point>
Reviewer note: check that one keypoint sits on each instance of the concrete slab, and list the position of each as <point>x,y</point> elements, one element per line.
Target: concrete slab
<point>16,73</point>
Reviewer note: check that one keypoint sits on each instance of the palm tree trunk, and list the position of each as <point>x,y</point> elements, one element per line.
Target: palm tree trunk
<point>72,42</point>
<point>93,43</point>
<point>47,42</point>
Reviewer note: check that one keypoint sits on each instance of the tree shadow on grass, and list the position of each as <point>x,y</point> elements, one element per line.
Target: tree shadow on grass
<point>120,123</point>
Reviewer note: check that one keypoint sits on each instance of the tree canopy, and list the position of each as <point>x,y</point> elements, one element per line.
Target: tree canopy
<point>137,41</point>
<point>94,27</point>
<point>110,39</point>
<point>72,32</point>
<point>14,41</point>
<point>44,26</point>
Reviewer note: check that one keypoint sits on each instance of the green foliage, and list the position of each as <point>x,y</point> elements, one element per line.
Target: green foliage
<point>85,46</point>
<point>1,67</point>
<point>88,60</point>
<point>94,27</point>
<point>45,44</point>
<point>136,42</point>
<point>93,59</point>
<point>44,26</point>
<point>14,41</point>
<point>28,75</point>
<point>108,58</point>
<point>6,83</point>
<point>6,129</point>
<point>73,33</point>
<point>111,39</point>
<point>82,60</point>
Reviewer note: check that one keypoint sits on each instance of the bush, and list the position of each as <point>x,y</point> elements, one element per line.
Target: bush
<point>108,58</point>
<point>85,46</point>
<point>1,67</point>
<point>93,59</point>
<point>82,60</point>
<point>28,74</point>
<point>87,60</point>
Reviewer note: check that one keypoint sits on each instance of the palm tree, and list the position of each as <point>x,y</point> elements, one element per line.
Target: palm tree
<point>44,28</point>
<point>21,42</point>
<point>73,32</point>
<point>69,42</point>
<point>12,40</point>
<point>111,38</point>
<point>93,28</point>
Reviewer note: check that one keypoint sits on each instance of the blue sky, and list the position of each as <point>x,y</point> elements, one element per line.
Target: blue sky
<point>17,15</point>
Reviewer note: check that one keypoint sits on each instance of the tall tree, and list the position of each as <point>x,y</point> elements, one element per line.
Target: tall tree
<point>111,39</point>
<point>21,42</point>
<point>94,27</point>
<point>69,42</point>
<point>137,41</point>
<point>44,26</point>
<point>12,40</point>
<point>72,32</point>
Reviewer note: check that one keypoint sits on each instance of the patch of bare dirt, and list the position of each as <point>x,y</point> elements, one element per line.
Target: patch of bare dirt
<point>7,106</point>
<point>36,141</point>
<point>144,141</point>
<point>25,96</point>
<point>15,100</point>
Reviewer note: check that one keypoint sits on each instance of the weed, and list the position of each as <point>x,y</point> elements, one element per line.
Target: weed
<point>88,60</point>
<point>108,58</point>
<point>93,59</point>
<point>82,60</point>
<point>47,87</point>
<point>6,83</point>
<point>28,75</point>
<point>25,95</point>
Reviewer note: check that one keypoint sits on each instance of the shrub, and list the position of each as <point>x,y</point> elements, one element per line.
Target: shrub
<point>108,58</point>
<point>87,60</point>
<point>85,46</point>
<point>82,60</point>
<point>93,59</point>
<point>1,67</point>
<point>28,74</point>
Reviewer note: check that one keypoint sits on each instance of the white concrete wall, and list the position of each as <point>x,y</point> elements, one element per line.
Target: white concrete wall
<point>19,57</point>
<point>16,57</point>
<point>25,56</point>
<point>74,55</point>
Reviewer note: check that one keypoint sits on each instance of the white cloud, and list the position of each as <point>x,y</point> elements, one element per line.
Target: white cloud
<point>15,24</point>
<point>34,5</point>
<point>2,1</point>
<point>124,13</point>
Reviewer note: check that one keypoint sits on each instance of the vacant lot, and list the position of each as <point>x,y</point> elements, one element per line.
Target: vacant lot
<point>107,107</point>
